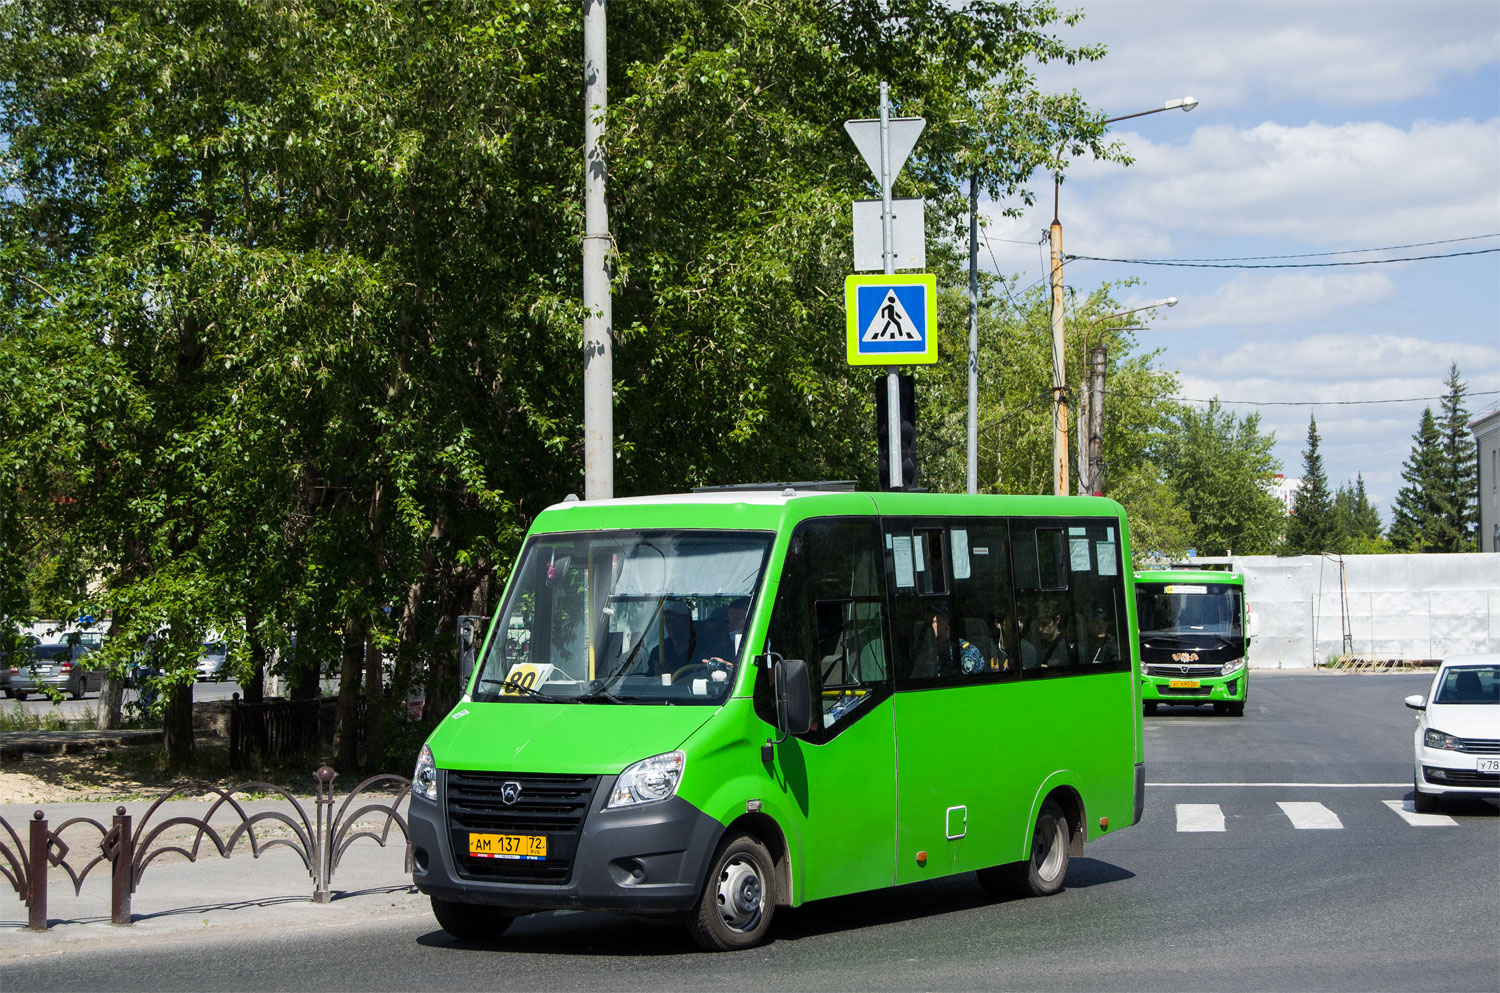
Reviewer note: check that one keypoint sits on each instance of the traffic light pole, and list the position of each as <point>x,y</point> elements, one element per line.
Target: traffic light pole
<point>888,258</point>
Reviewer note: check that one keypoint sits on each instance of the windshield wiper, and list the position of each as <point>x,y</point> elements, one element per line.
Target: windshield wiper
<point>597,692</point>
<point>531,691</point>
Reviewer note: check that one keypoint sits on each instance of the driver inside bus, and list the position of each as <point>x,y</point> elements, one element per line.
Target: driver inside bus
<point>678,641</point>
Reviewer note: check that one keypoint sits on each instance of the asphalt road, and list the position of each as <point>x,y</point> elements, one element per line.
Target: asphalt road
<point>72,710</point>
<point>1278,852</point>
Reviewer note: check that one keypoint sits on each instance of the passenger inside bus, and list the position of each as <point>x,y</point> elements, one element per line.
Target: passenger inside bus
<point>1051,644</point>
<point>1101,646</point>
<point>939,653</point>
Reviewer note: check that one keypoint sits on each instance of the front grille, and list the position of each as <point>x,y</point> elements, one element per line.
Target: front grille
<point>554,806</point>
<point>1460,777</point>
<point>1479,746</point>
<point>1184,671</point>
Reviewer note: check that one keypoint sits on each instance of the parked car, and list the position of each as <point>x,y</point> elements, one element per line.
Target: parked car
<point>58,665</point>
<point>211,662</point>
<point>1457,741</point>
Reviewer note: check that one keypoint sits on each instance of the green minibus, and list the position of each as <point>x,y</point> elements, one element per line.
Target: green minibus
<point>706,706</point>
<point>1195,639</point>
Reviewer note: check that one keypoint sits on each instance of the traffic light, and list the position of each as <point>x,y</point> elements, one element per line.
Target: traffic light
<point>908,415</point>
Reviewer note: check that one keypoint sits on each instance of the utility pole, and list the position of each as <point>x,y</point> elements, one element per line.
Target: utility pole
<point>1098,361</point>
<point>598,363</point>
<point>1059,381</point>
<point>973,462</point>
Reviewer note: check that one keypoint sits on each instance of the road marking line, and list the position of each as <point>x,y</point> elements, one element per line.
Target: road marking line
<point>1307,816</point>
<point>1199,817</point>
<point>1403,809</point>
<point>1320,786</point>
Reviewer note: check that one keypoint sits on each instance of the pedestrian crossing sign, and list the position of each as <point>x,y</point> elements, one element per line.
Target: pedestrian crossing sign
<point>891,319</point>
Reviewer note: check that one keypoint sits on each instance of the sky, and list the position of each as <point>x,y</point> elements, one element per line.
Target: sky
<point>1321,127</point>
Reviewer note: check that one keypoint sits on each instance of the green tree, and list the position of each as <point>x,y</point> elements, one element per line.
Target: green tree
<point>1222,469</point>
<point>1459,478</point>
<point>1418,503</point>
<point>289,291</point>
<point>1358,521</point>
<point>1314,525</point>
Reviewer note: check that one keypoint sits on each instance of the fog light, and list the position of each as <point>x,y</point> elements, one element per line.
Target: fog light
<point>419,859</point>
<point>1232,687</point>
<point>1435,773</point>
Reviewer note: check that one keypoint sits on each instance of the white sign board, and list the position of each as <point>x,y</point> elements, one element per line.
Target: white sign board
<point>908,234</point>
<point>904,132</point>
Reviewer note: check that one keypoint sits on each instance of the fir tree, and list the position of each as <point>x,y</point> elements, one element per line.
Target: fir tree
<point>1417,506</point>
<point>1358,521</point>
<point>1313,528</point>
<point>1457,529</point>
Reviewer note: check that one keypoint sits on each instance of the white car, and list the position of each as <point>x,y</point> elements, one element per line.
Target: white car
<point>1457,743</point>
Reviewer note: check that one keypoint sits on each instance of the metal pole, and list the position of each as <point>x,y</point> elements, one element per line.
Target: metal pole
<point>36,878</point>
<point>888,257</point>
<point>1059,374</point>
<point>973,471</point>
<point>1098,368</point>
<point>598,365</point>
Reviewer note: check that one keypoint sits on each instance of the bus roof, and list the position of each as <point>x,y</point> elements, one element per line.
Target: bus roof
<point>1204,576</point>
<point>767,509</point>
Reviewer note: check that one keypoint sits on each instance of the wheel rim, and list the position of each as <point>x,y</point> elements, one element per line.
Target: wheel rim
<point>1048,849</point>
<point>741,894</point>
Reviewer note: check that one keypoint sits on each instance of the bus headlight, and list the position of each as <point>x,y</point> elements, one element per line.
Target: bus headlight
<point>424,777</point>
<point>1230,668</point>
<point>648,780</point>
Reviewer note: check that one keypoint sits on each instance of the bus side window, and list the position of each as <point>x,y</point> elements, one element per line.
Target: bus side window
<point>983,598</point>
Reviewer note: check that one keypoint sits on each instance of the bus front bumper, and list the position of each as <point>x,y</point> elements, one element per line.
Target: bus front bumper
<point>645,859</point>
<point>1202,689</point>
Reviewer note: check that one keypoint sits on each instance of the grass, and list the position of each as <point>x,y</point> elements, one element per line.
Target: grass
<point>19,719</point>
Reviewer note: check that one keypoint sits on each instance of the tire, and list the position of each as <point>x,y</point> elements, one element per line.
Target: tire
<point>738,899</point>
<point>1042,874</point>
<point>1423,803</point>
<point>1150,707</point>
<point>470,922</point>
<point>1236,709</point>
<point>19,694</point>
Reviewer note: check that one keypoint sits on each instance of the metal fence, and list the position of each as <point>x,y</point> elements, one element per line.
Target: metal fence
<point>320,840</point>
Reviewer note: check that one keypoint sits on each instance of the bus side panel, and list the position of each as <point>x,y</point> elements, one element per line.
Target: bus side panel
<point>845,794</point>
<point>991,750</point>
<point>954,750</point>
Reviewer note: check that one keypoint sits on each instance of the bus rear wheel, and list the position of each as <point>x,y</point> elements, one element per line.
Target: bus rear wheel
<point>470,922</point>
<point>1044,872</point>
<point>738,899</point>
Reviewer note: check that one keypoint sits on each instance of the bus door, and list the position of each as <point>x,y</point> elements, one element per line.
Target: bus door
<point>830,611</point>
<point>955,649</point>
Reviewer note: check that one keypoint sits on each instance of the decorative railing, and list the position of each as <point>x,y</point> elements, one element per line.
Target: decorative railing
<point>320,840</point>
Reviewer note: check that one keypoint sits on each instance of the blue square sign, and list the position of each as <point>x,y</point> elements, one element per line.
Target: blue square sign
<point>891,319</point>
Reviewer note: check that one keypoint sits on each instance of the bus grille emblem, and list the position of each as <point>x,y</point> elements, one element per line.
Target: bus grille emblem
<point>510,792</point>
<point>1184,657</point>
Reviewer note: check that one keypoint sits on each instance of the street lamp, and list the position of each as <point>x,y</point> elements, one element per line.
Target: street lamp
<point>1059,379</point>
<point>1091,403</point>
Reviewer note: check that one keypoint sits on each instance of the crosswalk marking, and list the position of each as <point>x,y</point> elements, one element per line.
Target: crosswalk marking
<point>1304,815</point>
<point>1199,817</point>
<point>1308,816</point>
<point>1403,809</point>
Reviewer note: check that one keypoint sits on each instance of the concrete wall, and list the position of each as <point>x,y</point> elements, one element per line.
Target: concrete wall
<point>1392,606</point>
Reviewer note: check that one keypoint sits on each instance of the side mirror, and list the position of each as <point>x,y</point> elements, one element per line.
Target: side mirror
<point>1252,628</point>
<point>793,696</point>
<point>468,646</point>
<point>1416,702</point>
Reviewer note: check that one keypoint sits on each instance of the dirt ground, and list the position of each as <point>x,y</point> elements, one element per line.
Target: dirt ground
<point>120,774</point>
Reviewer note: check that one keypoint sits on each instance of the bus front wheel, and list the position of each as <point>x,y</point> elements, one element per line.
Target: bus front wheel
<point>470,922</point>
<point>738,899</point>
<point>1043,873</point>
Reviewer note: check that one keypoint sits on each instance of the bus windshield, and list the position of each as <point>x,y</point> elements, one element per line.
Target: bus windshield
<point>624,617</point>
<point>1197,612</point>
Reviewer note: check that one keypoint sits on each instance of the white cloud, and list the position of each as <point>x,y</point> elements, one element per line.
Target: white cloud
<point>1254,300</point>
<point>1231,55</point>
<point>1355,185</point>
